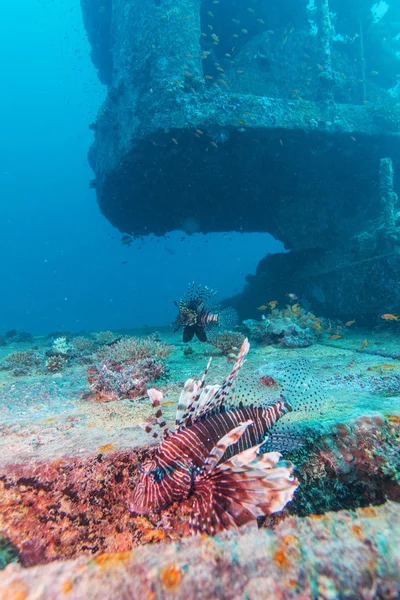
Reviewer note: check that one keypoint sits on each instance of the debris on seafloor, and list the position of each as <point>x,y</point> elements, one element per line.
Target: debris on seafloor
<point>291,327</point>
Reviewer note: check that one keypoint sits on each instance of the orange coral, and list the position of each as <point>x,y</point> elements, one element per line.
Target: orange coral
<point>281,559</point>
<point>171,577</point>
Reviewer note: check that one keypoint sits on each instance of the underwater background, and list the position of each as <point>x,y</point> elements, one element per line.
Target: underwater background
<point>63,265</point>
<point>200,308</point>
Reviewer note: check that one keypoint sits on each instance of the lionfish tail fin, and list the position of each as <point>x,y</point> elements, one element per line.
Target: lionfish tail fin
<point>238,491</point>
<point>159,429</point>
<point>298,384</point>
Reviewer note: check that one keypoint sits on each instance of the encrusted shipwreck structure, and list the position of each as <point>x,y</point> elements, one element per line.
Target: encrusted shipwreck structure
<point>281,117</point>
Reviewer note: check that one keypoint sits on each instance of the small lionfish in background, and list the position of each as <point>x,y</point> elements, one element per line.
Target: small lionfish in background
<point>212,458</point>
<point>198,314</point>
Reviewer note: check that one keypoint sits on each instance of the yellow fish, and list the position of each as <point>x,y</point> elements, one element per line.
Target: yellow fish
<point>262,307</point>
<point>272,304</point>
<point>390,317</point>
<point>350,323</point>
<point>295,309</point>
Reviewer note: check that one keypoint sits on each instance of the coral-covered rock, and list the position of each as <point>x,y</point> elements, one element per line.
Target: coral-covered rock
<point>349,554</point>
<point>283,331</point>
<point>113,380</point>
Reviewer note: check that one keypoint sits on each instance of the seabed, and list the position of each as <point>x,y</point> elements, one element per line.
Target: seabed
<point>68,464</point>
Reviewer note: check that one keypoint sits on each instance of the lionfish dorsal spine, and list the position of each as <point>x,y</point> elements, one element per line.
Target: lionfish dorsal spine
<point>221,396</point>
<point>160,429</point>
<point>189,399</point>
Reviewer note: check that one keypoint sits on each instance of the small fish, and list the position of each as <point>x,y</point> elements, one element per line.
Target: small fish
<point>329,329</point>
<point>262,307</point>
<point>364,345</point>
<point>272,304</point>
<point>175,141</point>
<point>390,317</point>
<point>126,240</point>
<point>292,297</point>
<point>350,323</point>
<point>335,336</point>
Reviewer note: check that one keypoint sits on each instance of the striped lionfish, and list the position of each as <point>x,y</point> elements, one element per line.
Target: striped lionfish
<point>213,460</point>
<point>198,314</point>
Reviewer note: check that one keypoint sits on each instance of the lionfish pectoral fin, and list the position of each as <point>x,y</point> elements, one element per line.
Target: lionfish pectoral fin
<point>240,490</point>
<point>200,332</point>
<point>160,429</point>
<point>220,447</point>
<point>188,334</point>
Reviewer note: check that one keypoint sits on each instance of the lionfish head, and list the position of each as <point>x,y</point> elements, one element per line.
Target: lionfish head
<point>146,497</point>
<point>186,316</point>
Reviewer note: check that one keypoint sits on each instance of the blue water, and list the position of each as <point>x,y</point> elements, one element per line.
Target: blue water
<point>61,261</point>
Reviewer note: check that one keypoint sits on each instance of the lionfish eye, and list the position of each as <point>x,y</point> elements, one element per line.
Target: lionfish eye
<point>158,475</point>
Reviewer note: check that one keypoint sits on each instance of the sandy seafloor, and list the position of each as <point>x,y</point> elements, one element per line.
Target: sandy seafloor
<point>64,511</point>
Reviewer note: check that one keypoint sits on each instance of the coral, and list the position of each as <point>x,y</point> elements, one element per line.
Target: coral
<point>21,363</point>
<point>112,380</point>
<point>354,466</point>
<point>56,363</point>
<point>347,554</point>
<point>83,345</point>
<point>103,337</point>
<point>8,553</point>
<point>18,336</point>
<point>61,346</point>
<point>10,334</point>
<point>128,348</point>
<point>227,341</point>
<point>287,329</point>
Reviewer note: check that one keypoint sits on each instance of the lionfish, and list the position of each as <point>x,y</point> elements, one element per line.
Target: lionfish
<point>213,458</point>
<point>198,313</point>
